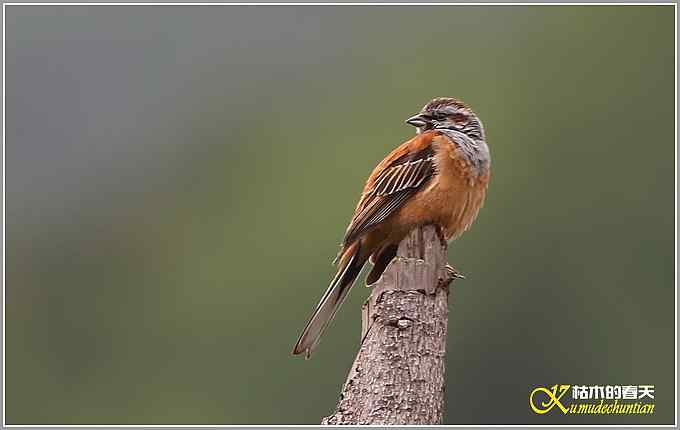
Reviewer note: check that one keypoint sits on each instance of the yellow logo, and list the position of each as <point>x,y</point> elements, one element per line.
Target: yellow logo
<point>593,399</point>
<point>554,395</point>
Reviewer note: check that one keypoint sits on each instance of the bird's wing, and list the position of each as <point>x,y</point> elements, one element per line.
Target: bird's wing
<point>398,177</point>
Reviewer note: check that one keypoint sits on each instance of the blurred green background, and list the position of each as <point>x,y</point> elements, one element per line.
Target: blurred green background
<point>179,179</point>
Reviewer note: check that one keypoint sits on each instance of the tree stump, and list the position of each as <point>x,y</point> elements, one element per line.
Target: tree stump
<point>398,374</point>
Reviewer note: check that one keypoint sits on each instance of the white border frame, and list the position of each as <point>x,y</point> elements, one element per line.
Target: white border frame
<point>4,5</point>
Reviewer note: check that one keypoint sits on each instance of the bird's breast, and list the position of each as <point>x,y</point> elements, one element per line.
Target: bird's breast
<point>460,185</point>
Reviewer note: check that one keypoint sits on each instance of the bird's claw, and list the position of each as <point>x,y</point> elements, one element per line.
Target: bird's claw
<point>440,234</point>
<point>453,272</point>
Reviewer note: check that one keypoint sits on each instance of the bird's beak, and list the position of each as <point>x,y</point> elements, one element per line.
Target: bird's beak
<point>417,121</point>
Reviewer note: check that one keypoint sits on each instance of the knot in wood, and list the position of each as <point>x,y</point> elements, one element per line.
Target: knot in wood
<point>403,323</point>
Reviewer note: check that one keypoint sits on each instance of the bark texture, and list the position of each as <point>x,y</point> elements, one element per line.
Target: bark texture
<point>398,374</point>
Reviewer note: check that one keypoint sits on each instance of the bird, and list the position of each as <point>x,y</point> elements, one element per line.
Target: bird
<point>439,177</point>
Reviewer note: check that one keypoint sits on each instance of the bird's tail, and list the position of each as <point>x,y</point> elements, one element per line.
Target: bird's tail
<point>351,263</point>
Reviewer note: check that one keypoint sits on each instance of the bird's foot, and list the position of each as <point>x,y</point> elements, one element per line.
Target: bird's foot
<point>453,273</point>
<point>441,235</point>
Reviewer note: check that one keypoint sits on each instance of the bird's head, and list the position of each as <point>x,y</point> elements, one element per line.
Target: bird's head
<point>448,113</point>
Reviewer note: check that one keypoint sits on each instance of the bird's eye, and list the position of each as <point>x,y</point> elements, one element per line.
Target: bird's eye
<point>460,118</point>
